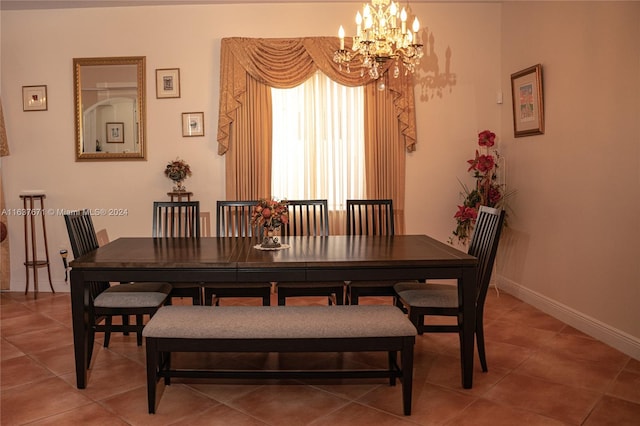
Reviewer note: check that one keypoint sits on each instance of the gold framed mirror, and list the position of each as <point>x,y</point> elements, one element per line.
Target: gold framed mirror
<point>110,108</point>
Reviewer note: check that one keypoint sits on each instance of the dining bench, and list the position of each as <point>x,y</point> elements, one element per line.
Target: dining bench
<point>344,328</point>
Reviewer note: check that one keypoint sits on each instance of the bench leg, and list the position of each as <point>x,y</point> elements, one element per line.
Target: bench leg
<point>407,374</point>
<point>152,369</point>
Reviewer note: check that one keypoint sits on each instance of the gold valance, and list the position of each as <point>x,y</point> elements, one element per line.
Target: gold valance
<point>285,63</point>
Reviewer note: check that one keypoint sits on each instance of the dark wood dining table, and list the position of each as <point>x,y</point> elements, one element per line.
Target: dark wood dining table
<point>339,258</point>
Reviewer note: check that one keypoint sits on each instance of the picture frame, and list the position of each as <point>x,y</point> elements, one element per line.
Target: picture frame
<point>192,124</point>
<point>528,102</point>
<point>34,98</point>
<point>115,132</point>
<point>167,83</point>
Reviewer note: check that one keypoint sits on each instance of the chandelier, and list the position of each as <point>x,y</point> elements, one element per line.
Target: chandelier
<point>381,35</point>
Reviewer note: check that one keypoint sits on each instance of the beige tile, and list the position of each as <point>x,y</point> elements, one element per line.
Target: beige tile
<point>107,381</point>
<point>626,386</point>
<point>531,364</point>
<point>287,405</point>
<point>584,347</point>
<point>58,360</point>
<point>221,415</point>
<point>176,404</point>
<point>20,370</point>
<point>566,370</point>
<point>42,339</point>
<point>487,413</point>
<point>431,404</point>
<point>614,412</point>
<point>355,414</point>
<point>93,414</point>
<point>8,351</point>
<point>565,403</point>
<point>38,400</point>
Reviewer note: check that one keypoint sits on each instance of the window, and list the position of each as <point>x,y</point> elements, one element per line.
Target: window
<point>318,142</point>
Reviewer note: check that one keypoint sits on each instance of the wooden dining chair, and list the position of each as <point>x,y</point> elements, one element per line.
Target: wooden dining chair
<point>105,301</point>
<point>173,219</point>
<point>309,218</point>
<point>420,299</point>
<point>369,217</point>
<point>233,219</point>
<point>178,219</point>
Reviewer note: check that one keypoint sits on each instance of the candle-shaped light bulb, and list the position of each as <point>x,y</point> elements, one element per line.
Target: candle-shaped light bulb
<point>409,37</point>
<point>416,25</point>
<point>366,12</point>
<point>341,35</point>
<point>393,11</point>
<point>403,18</point>
<point>358,24</point>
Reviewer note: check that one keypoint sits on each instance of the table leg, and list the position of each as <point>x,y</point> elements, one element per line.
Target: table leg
<point>80,323</point>
<point>467,291</point>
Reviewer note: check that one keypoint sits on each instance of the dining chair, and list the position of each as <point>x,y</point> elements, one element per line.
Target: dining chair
<point>309,218</point>
<point>369,217</point>
<point>178,219</point>
<point>104,300</point>
<point>422,299</point>
<point>233,219</point>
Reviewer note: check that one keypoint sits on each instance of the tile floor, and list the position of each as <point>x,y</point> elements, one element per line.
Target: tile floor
<point>541,372</point>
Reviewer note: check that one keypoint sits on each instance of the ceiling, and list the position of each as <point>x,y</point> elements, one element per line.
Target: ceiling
<point>66,4</point>
<point>63,4</point>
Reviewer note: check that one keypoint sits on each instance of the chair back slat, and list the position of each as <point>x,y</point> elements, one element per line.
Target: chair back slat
<point>233,218</point>
<point>307,218</point>
<point>83,239</point>
<point>484,246</point>
<point>176,219</point>
<point>370,217</point>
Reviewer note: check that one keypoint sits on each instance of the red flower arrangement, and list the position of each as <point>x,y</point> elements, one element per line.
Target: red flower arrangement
<point>487,191</point>
<point>270,213</point>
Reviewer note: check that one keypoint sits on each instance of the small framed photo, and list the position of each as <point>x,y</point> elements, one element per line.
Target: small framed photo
<point>34,98</point>
<point>115,132</point>
<point>528,103</point>
<point>168,83</point>
<point>192,124</point>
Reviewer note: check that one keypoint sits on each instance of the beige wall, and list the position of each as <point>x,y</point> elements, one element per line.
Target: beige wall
<point>573,239</point>
<point>574,244</point>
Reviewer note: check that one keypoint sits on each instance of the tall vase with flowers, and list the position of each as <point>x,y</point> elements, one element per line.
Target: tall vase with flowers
<point>487,191</point>
<point>178,170</point>
<point>270,214</point>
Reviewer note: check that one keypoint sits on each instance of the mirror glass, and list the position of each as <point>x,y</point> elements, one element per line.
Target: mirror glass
<point>110,108</point>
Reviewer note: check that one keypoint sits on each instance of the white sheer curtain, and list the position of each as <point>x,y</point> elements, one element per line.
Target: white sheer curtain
<point>318,142</point>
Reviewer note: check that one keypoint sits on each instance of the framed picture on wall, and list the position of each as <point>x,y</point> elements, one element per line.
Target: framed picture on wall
<point>192,124</point>
<point>528,103</point>
<point>34,98</point>
<point>168,83</point>
<point>115,132</point>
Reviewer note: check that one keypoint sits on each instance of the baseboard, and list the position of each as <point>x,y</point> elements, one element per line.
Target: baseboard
<point>618,339</point>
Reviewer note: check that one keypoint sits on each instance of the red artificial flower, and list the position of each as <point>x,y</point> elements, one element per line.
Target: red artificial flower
<point>486,138</point>
<point>494,195</point>
<point>466,213</point>
<point>485,163</point>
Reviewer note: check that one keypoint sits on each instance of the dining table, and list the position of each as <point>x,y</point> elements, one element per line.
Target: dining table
<point>302,258</point>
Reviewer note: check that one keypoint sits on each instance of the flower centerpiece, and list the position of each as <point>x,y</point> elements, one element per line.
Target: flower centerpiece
<point>178,170</point>
<point>487,191</point>
<point>270,214</point>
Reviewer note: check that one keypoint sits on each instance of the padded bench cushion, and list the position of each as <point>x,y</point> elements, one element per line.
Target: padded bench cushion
<point>278,322</point>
